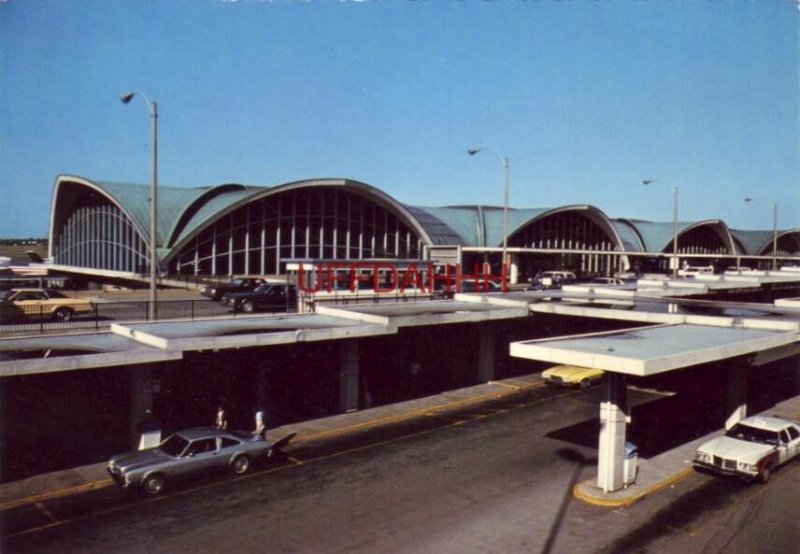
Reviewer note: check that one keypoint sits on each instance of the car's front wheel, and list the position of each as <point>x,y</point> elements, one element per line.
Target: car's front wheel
<point>63,314</point>
<point>153,484</point>
<point>248,307</point>
<point>240,465</point>
<point>766,473</point>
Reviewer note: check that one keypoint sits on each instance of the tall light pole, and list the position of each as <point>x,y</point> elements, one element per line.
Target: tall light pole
<point>674,226</point>
<point>774,231</point>
<point>153,107</point>
<point>504,161</point>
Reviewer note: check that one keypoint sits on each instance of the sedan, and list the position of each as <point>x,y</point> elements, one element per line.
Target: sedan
<point>185,453</point>
<point>238,284</point>
<point>570,375</point>
<point>42,303</point>
<point>751,450</point>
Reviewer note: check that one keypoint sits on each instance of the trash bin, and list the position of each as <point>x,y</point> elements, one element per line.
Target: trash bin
<point>630,465</point>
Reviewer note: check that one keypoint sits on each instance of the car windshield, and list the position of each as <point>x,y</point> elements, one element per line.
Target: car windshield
<point>236,282</point>
<point>55,294</point>
<point>174,445</point>
<point>747,433</point>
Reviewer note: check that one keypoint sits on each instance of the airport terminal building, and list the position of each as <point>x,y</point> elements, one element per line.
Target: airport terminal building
<point>102,228</point>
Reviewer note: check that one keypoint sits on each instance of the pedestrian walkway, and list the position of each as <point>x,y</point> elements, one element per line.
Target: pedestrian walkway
<point>654,473</point>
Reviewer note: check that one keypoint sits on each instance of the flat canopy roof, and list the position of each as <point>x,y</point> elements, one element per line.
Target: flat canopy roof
<point>651,350</point>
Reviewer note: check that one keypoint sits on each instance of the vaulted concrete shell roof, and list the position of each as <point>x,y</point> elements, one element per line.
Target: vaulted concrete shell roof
<point>481,226</point>
<point>183,213</point>
<point>759,243</point>
<point>653,236</point>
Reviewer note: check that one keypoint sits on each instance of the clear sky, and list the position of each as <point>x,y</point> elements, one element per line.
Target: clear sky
<point>586,99</point>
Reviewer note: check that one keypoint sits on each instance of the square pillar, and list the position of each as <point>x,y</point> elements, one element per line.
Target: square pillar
<point>142,387</point>
<point>613,421</point>
<point>487,339</point>
<point>736,393</point>
<point>348,376</point>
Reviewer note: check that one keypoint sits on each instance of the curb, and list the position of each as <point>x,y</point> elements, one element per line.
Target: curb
<point>630,500</point>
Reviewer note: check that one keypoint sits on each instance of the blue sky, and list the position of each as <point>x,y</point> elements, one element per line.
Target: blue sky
<point>586,99</point>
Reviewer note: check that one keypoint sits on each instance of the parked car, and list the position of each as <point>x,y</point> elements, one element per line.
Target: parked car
<point>570,375</point>
<point>238,284</point>
<point>608,282</point>
<point>552,280</point>
<point>737,270</point>
<point>273,297</point>
<point>28,303</point>
<point>186,453</point>
<point>751,450</point>
<point>693,271</point>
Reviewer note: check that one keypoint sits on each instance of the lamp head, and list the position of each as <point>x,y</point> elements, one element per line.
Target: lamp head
<point>125,98</point>
<point>473,151</point>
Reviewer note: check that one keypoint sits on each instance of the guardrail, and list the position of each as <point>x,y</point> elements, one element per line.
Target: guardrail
<point>105,313</point>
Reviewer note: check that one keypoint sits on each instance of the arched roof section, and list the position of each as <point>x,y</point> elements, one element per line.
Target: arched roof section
<point>656,236</point>
<point>223,204</point>
<point>759,243</point>
<point>631,237</point>
<point>483,225</point>
<point>69,188</point>
<point>593,213</point>
<point>134,201</point>
<point>205,205</point>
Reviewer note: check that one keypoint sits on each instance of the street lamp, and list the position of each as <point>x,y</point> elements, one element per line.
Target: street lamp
<point>153,107</point>
<point>774,231</point>
<point>674,226</point>
<point>504,161</point>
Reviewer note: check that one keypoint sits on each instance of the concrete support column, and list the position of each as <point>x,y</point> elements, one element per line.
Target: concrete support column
<point>487,339</point>
<point>262,390</point>
<point>613,421</point>
<point>736,393</point>
<point>140,378</point>
<point>348,376</point>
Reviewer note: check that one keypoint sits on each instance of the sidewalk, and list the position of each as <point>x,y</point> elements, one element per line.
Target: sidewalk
<point>654,473</point>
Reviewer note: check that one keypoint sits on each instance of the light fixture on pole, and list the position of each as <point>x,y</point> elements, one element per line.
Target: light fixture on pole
<point>774,231</point>
<point>504,161</point>
<point>153,107</point>
<point>674,226</point>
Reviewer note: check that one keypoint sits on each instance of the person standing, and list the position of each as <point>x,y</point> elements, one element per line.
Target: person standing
<point>222,418</point>
<point>260,431</point>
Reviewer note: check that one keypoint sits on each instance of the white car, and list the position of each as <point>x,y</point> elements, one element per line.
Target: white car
<point>752,449</point>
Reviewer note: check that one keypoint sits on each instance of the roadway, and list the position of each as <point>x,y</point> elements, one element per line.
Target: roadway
<point>492,476</point>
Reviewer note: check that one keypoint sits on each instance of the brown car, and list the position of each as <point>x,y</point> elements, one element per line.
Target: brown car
<point>37,303</point>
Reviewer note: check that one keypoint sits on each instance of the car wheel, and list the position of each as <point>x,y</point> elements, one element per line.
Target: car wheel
<point>63,314</point>
<point>248,307</point>
<point>765,474</point>
<point>153,484</point>
<point>585,384</point>
<point>241,464</point>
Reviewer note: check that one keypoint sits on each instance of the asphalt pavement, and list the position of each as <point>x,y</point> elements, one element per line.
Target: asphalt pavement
<point>654,473</point>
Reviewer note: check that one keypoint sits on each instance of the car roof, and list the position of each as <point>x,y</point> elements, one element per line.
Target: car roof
<point>766,423</point>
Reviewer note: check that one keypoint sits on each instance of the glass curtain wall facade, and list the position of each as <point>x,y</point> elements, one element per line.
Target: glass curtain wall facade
<point>97,234</point>
<point>566,231</point>
<point>305,223</point>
